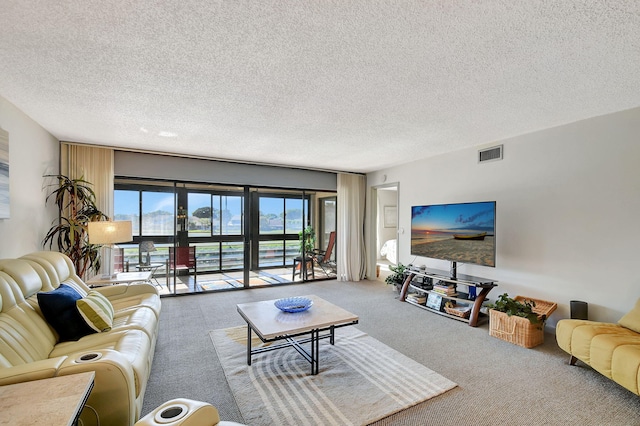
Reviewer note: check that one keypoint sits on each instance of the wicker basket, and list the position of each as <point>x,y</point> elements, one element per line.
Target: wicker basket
<point>457,312</point>
<point>519,330</point>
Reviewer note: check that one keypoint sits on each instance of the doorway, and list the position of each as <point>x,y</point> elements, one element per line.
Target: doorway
<point>386,228</point>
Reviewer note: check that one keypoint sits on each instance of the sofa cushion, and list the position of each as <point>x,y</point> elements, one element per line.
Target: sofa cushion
<point>96,310</point>
<point>77,287</point>
<point>631,319</point>
<point>60,311</point>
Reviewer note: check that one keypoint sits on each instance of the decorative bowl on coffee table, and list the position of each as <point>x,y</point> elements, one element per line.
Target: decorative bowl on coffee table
<point>293,304</point>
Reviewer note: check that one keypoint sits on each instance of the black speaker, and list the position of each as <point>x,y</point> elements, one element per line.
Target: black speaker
<point>579,310</point>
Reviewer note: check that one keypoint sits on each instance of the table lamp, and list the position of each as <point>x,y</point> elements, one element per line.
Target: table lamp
<point>109,233</point>
<point>147,247</point>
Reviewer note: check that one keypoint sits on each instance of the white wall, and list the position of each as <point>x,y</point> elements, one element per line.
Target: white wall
<point>33,152</point>
<point>568,211</point>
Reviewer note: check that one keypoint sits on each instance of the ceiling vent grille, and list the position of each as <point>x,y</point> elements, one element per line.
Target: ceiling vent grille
<point>490,154</point>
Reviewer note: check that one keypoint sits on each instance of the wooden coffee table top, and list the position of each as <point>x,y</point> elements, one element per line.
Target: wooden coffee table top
<point>270,322</point>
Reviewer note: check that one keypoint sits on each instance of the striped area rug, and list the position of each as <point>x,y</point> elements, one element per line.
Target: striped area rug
<point>361,380</point>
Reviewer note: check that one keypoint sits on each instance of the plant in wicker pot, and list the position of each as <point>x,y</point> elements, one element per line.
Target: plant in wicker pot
<point>519,320</point>
<point>522,309</point>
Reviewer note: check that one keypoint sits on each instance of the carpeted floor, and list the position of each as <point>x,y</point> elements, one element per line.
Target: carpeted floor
<point>498,382</point>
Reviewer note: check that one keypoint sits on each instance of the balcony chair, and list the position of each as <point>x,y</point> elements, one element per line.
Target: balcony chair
<point>180,259</point>
<point>323,257</point>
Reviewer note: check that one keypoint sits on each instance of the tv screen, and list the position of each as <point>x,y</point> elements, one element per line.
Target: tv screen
<point>462,232</point>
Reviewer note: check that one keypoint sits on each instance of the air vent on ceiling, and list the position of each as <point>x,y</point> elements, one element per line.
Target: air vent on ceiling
<point>490,154</point>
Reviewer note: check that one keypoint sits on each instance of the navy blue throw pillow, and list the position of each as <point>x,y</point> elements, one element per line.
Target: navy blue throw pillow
<point>60,311</point>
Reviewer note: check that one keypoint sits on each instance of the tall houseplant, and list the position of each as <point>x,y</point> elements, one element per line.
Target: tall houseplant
<point>76,204</point>
<point>307,240</point>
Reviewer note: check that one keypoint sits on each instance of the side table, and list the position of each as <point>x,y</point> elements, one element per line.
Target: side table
<point>120,278</point>
<point>151,267</point>
<point>50,402</point>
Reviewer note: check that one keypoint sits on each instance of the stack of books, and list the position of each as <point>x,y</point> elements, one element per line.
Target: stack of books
<point>418,298</point>
<point>445,289</point>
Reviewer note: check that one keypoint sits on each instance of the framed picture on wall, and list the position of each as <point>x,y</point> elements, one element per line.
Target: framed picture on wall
<point>390,214</point>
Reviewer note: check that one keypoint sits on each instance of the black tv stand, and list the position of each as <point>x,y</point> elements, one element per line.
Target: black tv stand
<point>454,270</point>
<point>434,275</point>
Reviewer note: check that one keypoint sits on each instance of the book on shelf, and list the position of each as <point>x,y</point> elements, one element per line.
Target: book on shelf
<point>451,292</point>
<point>417,298</point>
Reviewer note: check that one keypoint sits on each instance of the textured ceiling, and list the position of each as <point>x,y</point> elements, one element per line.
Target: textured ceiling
<point>352,85</point>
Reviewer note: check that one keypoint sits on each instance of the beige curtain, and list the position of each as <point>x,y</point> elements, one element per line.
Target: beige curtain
<point>95,165</point>
<point>351,256</point>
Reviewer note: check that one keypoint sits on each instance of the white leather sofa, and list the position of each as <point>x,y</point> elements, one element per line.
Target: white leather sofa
<point>184,412</point>
<point>31,348</point>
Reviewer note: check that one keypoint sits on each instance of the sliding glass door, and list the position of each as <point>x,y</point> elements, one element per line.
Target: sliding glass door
<point>243,236</point>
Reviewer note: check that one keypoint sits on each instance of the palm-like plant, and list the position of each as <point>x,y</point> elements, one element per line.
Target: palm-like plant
<point>76,204</point>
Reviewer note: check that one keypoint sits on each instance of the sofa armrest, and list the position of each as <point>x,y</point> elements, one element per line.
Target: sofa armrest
<point>43,369</point>
<point>114,392</point>
<point>125,290</point>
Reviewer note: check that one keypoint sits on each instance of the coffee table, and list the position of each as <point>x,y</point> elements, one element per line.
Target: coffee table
<point>271,324</point>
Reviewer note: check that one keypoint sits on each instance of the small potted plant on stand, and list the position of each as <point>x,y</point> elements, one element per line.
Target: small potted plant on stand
<point>397,277</point>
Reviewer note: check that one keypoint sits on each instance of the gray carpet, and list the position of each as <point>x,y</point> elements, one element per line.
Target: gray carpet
<point>498,382</point>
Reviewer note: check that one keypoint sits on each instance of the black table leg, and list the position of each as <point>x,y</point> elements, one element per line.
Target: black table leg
<point>248,344</point>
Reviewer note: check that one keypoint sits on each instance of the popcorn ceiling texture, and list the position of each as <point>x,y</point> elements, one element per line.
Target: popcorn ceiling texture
<point>355,85</point>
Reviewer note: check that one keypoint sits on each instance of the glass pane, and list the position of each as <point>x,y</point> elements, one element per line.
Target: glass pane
<point>231,215</point>
<point>216,222</point>
<point>270,253</point>
<point>199,213</point>
<point>232,255</point>
<point>158,213</point>
<point>271,215</point>
<point>208,255</point>
<point>328,222</point>
<point>292,249</point>
<point>329,216</point>
<point>126,206</point>
<point>294,220</point>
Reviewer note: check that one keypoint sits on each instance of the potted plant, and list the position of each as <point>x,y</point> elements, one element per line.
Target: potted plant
<point>522,309</point>
<point>397,277</point>
<point>307,238</point>
<point>76,203</point>
<point>520,320</point>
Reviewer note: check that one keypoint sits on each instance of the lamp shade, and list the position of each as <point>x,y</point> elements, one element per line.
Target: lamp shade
<point>107,232</point>
<point>147,246</point>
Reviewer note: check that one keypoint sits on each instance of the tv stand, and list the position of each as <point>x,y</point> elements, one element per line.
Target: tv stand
<point>434,276</point>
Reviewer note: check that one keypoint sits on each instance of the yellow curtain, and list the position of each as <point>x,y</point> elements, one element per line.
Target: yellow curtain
<point>95,165</point>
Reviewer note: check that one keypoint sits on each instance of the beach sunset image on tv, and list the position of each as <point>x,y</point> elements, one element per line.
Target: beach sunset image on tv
<point>462,232</point>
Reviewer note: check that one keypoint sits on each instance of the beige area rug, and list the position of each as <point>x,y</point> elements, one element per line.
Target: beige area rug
<point>361,380</point>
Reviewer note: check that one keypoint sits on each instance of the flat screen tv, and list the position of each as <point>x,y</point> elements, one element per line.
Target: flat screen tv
<point>464,232</point>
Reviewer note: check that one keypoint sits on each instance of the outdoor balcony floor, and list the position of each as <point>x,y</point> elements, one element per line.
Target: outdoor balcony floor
<point>232,280</point>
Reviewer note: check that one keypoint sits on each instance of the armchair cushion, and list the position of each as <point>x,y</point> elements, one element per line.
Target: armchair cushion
<point>97,311</point>
<point>60,311</point>
<point>631,319</point>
